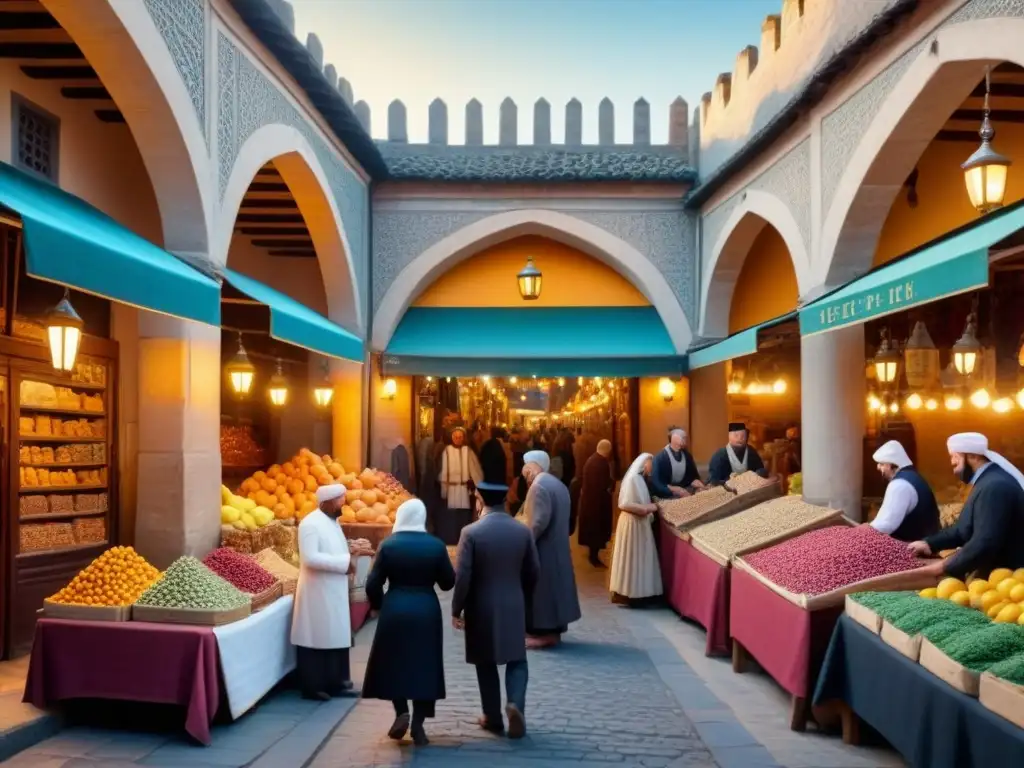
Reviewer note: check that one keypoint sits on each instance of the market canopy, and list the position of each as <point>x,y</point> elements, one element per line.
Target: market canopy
<point>737,345</point>
<point>541,341</point>
<point>296,323</point>
<point>70,242</point>
<point>955,263</point>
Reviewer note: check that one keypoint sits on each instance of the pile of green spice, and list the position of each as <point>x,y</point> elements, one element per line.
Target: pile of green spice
<point>190,584</point>
<point>953,625</point>
<point>888,605</point>
<point>924,613</point>
<point>1011,669</point>
<point>978,649</point>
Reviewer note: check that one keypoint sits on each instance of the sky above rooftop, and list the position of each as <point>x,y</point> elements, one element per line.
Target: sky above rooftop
<point>417,50</point>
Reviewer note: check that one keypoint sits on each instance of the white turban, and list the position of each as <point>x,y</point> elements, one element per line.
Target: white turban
<point>540,458</point>
<point>977,443</point>
<point>329,493</point>
<point>411,516</point>
<point>892,453</point>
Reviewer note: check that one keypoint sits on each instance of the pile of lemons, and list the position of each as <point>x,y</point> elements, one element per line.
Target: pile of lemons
<point>1000,596</point>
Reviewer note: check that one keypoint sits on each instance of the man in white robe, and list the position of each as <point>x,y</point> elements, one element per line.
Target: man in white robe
<point>460,473</point>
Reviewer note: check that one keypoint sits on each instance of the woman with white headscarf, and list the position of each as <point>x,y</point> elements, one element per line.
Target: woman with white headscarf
<point>406,659</point>
<point>636,573</point>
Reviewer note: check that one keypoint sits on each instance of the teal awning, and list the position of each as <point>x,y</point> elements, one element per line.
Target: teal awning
<point>739,344</point>
<point>70,242</point>
<point>953,264</point>
<point>542,341</point>
<point>296,323</point>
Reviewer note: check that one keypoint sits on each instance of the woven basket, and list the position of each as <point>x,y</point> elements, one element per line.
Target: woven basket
<point>267,596</point>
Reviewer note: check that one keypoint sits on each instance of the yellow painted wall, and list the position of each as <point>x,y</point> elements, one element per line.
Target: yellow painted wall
<point>943,204</point>
<point>657,416</point>
<point>571,279</point>
<point>766,287</point>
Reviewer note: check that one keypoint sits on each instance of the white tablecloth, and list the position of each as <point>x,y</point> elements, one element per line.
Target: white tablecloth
<point>255,654</point>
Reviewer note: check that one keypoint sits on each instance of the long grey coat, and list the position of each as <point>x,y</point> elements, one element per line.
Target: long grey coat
<point>496,572</point>
<point>548,510</point>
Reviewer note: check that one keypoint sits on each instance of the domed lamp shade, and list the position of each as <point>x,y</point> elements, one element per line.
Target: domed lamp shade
<point>530,280</point>
<point>64,332</point>
<point>241,371</point>
<point>887,361</point>
<point>278,389</point>
<point>966,350</point>
<point>986,170</point>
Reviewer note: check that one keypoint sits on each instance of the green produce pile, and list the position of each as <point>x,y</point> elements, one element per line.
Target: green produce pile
<point>888,605</point>
<point>953,625</point>
<point>190,584</point>
<point>921,614</point>
<point>978,649</point>
<point>1011,669</point>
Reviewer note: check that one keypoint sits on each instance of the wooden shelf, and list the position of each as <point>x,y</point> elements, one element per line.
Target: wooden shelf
<point>60,439</point>
<point>58,516</point>
<point>66,464</point>
<point>65,411</point>
<point>59,381</point>
<point>62,488</point>
<point>62,550</point>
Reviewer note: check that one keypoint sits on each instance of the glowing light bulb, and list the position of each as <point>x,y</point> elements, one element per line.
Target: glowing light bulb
<point>874,404</point>
<point>931,404</point>
<point>914,402</point>
<point>1002,405</point>
<point>1020,398</point>
<point>779,387</point>
<point>954,403</point>
<point>894,407</point>
<point>513,380</point>
<point>980,398</point>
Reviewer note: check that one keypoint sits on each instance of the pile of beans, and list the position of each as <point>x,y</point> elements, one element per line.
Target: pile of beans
<point>745,482</point>
<point>1011,669</point>
<point>686,510</point>
<point>759,524</point>
<point>240,570</point>
<point>830,558</point>
<point>190,584</point>
<point>980,648</point>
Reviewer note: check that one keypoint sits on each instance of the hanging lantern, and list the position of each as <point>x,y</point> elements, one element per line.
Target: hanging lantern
<point>886,361</point>
<point>278,388</point>
<point>667,389</point>
<point>324,393</point>
<point>530,279</point>
<point>921,359</point>
<point>64,330</point>
<point>985,171</point>
<point>241,371</point>
<point>967,348</point>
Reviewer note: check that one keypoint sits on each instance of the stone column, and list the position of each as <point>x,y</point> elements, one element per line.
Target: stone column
<point>179,471</point>
<point>832,418</point>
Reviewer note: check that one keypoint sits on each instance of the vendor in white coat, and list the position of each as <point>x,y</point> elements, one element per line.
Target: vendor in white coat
<point>321,626</point>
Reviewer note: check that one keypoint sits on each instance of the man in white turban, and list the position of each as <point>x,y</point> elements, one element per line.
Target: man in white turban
<point>547,511</point>
<point>990,531</point>
<point>909,511</point>
<point>321,627</point>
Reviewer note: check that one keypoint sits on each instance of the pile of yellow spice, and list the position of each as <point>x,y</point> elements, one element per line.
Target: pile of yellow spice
<point>117,577</point>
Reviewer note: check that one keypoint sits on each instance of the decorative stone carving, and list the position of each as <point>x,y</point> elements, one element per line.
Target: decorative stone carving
<point>508,123</point>
<point>541,123</point>
<point>606,122</point>
<point>182,25</point>
<point>437,119</point>
<point>316,49</point>
<point>474,123</point>
<point>332,75</point>
<point>396,122</point>
<point>641,123</point>
<point>573,123</point>
<point>362,110</point>
<point>345,89</point>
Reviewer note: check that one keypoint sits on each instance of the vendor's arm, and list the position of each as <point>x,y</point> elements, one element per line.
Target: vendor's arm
<point>313,557</point>
<point>900,498</point>
<point>692,476</point>
<point>754,462</point>
<point>375,581</point>
<point>661,474</point>
<point>996,508</point>
<point>719,468</point>
<point>463,574</point>
<point>948,538</point>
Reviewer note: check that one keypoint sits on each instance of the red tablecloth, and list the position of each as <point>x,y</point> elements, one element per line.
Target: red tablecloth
<point>358,613</point>
<point>696,587</point>
<point>132,661</point>
<point>787,641</point>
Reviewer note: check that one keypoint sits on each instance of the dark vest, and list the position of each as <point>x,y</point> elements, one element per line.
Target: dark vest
<point>923,519</point>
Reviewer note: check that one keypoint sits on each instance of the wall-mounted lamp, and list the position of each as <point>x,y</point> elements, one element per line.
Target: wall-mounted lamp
<point>324,392</point>
<point>241,371</point>
<point>64,330</point>
<point>278,388</point>
<point>390,389</point>
<point>667,389</point>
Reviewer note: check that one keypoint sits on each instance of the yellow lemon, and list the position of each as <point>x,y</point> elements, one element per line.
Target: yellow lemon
<point>998,575</point>
<point>928,594</point>
<point>1005,587</point>
<point>978,587</point>
<point>949,586</point>
<point>989,599</point>
<point>1020,620</point>
<point>1017,593</point>
<point>1019,574</point>
<point>1009,614</point>
<point>962,597</point>
<point>995,609</point>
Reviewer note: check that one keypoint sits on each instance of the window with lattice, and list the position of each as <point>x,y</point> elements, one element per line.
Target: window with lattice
<point>36,136</point>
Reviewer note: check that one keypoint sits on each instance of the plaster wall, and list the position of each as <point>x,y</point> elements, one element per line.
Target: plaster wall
<point>657,416</point>
<point>766,287</point>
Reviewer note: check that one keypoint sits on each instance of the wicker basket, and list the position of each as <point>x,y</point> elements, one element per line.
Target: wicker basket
<point>267,596</point>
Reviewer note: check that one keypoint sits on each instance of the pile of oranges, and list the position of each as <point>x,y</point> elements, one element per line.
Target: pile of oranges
<point>289,489</point>
<point>117,577</point>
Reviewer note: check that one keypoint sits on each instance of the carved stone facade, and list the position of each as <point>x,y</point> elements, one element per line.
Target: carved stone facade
<point>182,24</point>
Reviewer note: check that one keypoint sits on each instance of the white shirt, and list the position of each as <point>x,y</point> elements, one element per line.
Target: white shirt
<point>900,498</point>
<point>320,618</point>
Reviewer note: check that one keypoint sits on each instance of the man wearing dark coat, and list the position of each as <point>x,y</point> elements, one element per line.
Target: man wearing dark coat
<point>493,460</point>
<point>673,471</point>
<point>737,457</point>
<point>596,503</point>
<point>497,570</point>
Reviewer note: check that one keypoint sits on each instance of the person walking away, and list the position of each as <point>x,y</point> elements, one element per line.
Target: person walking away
<point>407,656</point>
<point>459,469</point>
<point>909,511</point>
<point>674,472</point>
<point>595,503</point>
<point>497,571</point>
<point>493,462</point>
<point>563,452</point>
<point>321,626</point>
<point>555,603</point>
<point>990,530</point>
<point>636,574</point>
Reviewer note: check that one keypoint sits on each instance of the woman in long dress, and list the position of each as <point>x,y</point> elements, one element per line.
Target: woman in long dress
<point>636,573</point>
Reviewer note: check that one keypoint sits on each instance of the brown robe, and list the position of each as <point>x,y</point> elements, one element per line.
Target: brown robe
<point>595,521</point>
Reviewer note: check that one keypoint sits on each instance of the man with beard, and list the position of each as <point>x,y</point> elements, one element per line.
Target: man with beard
<point>736,458</point>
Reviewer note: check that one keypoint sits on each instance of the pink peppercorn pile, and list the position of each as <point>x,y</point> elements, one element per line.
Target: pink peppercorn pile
<point>829,558</point>
<point>237,569</point>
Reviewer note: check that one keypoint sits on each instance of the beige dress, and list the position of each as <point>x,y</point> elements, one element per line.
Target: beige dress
<point>635,571</point>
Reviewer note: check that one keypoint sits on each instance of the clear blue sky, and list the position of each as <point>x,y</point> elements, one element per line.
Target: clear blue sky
<point>416,50</point>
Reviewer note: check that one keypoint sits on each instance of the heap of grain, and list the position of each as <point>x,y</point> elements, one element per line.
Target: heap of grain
<point>745,482</point>
<point>688,509</point>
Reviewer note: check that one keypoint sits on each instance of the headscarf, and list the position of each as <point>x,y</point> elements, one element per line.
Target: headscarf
<point>329,492</point>
<point>633,489</point>
<point>977,443</point>
<point>892,453</point>
<point>411,516</point>
<point>540,458</point>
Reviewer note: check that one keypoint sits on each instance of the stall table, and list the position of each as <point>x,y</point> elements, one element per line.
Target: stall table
<point>930,723</point>
<point>788,641</point>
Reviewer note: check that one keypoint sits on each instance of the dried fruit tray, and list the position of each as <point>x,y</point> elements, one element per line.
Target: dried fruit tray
<point>202,618</point>
<point>947,670</point>
<point>896,638</point>
<point>863,615</point>
<point>267,596</point>
<point>86,612</point>
<point>1004,698</point>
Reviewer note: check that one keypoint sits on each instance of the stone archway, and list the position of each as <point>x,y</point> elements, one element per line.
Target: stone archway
<point>729,252</point>
<point>592,240</point>
<point>307,181</point>
<point>934,84</point>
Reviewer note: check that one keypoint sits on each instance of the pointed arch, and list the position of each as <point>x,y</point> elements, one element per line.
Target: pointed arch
<point>729,252</point>
<point>934,85</point>
<point>473,238</point>
<point>298,165</point>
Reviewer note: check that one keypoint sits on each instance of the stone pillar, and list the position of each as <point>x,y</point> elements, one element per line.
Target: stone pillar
<point>832,418</point>
<point>179,365</point>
